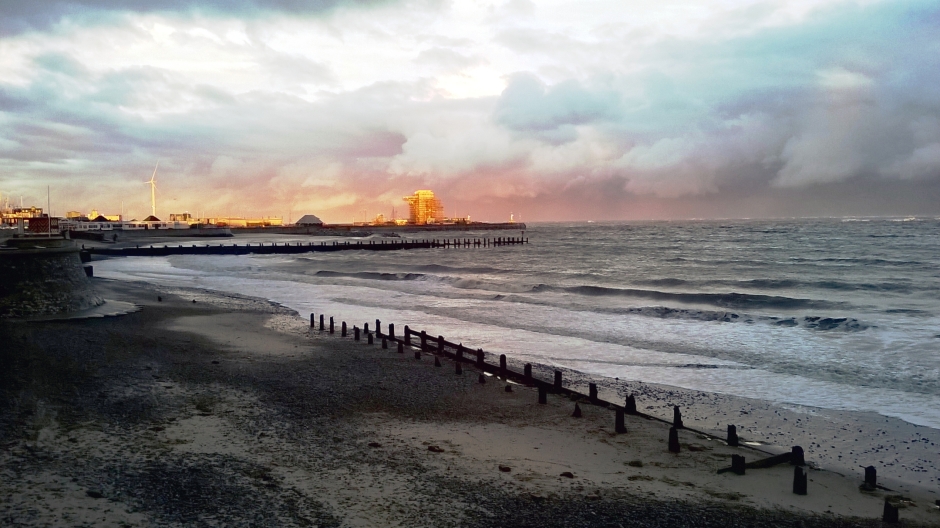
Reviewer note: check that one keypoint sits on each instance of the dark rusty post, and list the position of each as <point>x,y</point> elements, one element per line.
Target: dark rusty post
<point>577,411</point>
<point>796,456</point>
<point>673,440</point>
<point>592,391</point>
<point>732,436</point>
<point>527,372</point>
<point>502,366</point>
<point>391,330</point>
<point>890,514</point>
<point>378,328</point>
<point>365,327</point>
<point>384,343</point>
<point>401,347</point>
<point>871,478</point>
<point>369,339</point>
<point>440,344</point>
<point>799,480</point>
<point>321,322</point>
<point>343,330</point>
<point>407,336</point>
<point>331,324</point>
<point>312,320</point>
<point>557,380</point>
<point>480,356</point>
<point>356,333</point>
<point>619,427</point>
<point>418,354</point>
<point>676,417</point>
<point>631,404</point>
<point>424,340</point>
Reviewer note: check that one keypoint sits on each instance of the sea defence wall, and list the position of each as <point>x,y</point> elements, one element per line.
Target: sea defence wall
<point>44,281</point>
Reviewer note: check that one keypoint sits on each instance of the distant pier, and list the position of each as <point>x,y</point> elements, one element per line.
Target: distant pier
<point>289,248</point>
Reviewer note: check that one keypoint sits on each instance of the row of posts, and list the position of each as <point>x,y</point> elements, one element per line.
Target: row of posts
<point>738,466</point>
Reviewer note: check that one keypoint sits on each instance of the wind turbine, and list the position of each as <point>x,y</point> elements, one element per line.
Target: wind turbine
<point>153,192</point>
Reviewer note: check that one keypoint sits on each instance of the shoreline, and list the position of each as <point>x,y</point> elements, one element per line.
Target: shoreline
<point>263,409</point>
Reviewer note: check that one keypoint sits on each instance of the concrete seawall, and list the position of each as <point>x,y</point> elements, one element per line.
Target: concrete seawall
<point>47,281</point>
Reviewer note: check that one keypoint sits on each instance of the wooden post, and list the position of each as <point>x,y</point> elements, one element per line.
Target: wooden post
<point>384,343</point>
<point>543,398</point>
<point>592,391</point>
<point>458,368</point>
<point>369,339</point>
<point>577,411</point>
<point>418,354</point>
<point>480,356</point>
<point>890,514</point>
<point>378,328</point>
<point>796,456</point>
<point>312,320</point>
<point>321,322</point>
<point>673,440</point>
<point>737,464</point>
<point>557,380</point>
<point>343,330</point>
<point>527,372</point>
<point>871,478</point>
<point>481,379</point>
<point>365,327</point>
<point>437,361</point>
<point>391,330</point>
<point>356,333</point>
<point>631,404</point>
<point>732,436</point>
<point>401,347</point>
<point>407,336</point>
<point>502,366</point>
<point>424,340</point>
<point>799,481</point>
<point>619,427</point>
<point>676,417</point>
<point>331,324</point>
<point>440,345</point>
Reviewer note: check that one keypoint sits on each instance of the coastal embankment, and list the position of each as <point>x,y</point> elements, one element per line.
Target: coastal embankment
<point>213,409</point>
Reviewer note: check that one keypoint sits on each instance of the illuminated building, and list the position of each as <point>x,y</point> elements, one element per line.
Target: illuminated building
<point>424,208</point>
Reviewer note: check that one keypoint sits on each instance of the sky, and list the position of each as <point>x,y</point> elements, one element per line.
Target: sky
<point>547,110</point>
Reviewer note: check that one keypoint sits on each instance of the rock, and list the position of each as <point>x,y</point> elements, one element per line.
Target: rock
<point>435,449</point>
<point>508,388</point>
<point>375,444</point>
<point>505,469</point>
<point>95,494</point>
<point>567,474</point>
<point>214,362</point>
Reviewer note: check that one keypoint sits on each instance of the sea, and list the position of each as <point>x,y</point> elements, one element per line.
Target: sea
<point>837,314</point>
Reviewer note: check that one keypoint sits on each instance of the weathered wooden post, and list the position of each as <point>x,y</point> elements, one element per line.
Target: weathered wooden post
<point>312,320</point>
<point>424,340</point>
<point>378,328</point>
<point>391,330</point>
<point>401,347</point>
<point>502,366</point>
<point>799,480</point>
<point>557,380</point>
<point>458,368</point>
<point>321,322</point>
<point>369,339</point>
<point>871,478</point>
<point>384,343</point>
<point>619,427</point>
<point>480,357</point>
<point>440,345</point>
<point>676,417</point>
<point>343,330</point>
<point>732,436</point>
<point>796,456</point>
<point>355,333</point>
<point>331,324</point>
<point>418,354</point>
<point>365,327</point>
<point>890,514</point>
<point>577,411</point>
<point>543,397</point>
<point>527,372</point>
<point>673,440</point>
<point>407,336</point>
<point>592,392</point>
<point>437,361</point>
<point>737,464</point>
<point>631,404</point>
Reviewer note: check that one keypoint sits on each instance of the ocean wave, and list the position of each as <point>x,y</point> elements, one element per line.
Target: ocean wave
<point>810,322</point>
<point>371,275</point>
<point>724,300</point>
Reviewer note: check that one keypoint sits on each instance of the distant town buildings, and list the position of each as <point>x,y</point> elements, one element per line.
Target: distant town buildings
<point>424,208</point>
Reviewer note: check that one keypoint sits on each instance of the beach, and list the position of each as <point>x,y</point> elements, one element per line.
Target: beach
<point>230,411</point>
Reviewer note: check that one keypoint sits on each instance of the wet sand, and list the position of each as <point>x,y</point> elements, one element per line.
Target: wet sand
<point>231,412</point>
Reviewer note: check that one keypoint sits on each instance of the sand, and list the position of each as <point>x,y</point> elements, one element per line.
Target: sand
<point>231,412</point>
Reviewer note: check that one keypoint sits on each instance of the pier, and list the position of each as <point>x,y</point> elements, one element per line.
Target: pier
<point>291,248</point>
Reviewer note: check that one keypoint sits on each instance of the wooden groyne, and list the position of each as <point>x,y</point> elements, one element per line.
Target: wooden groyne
<point>291,248</point>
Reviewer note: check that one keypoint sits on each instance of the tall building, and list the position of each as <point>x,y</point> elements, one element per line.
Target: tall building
<point>424,208</point>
